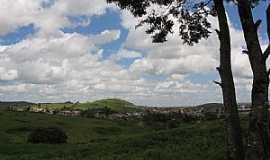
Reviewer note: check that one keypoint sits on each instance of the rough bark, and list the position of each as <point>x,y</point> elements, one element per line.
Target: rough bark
<point>234,141</point>
<point>258,142</point>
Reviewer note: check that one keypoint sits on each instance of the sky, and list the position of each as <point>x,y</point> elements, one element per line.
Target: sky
<point>66,50</point>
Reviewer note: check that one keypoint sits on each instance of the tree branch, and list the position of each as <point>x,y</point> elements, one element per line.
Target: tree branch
<point>220,74</point>
<point>218,33</point>
<point>245,52</point>
<point>219,70</point>
<point>266,53</point>
<point>257,24</point>
<point>218,83</point>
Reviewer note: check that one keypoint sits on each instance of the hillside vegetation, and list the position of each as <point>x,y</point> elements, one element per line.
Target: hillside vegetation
<point>18,104</point>
<point>98,139</point>
<point>116,105</point>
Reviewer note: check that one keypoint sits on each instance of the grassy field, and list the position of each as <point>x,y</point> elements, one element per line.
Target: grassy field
<point>92,139</point>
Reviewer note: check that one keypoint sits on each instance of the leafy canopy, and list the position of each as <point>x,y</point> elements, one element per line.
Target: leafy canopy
<point>190,16</point>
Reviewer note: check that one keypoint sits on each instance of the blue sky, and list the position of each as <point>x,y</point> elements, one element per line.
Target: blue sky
<point>259,12</point>
<point>17,35</point>
<point>83,52</point>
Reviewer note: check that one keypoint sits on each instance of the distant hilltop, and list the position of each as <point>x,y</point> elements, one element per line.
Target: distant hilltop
<point>118,108</point>
<point>16,103</point>
<point>118,105</point>
<point>110,102</point>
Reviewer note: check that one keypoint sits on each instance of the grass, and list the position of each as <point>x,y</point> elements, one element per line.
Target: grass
<point>92,139</point>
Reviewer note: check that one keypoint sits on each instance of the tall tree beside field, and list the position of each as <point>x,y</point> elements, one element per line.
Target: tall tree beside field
<point>234,140</point>
<point>258,147</point>
<point>192,18</point>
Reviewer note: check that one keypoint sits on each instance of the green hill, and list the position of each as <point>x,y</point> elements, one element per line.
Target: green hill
<point>117,105</point>
<point>15,104</point>
<point>210,107</point>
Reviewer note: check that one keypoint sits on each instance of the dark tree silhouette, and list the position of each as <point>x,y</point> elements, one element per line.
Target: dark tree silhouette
<point>259,136</point>
<point>192,18</point>
<point>234,140</point>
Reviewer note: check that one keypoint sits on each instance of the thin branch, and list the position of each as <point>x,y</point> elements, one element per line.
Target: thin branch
<point>218,83</point>
<point>219,70</point>
<point>245,52</point>
<point>218,33</point>
<point>257,24</point>
<point>266,53</point>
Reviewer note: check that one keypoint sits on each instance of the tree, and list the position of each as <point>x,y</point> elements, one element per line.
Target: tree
<point>259,135</point>
<point>235,149</point>
<point>194,25</point>
<point>50,135</point>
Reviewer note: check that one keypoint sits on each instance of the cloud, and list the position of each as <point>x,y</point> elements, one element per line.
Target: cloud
<point>126,54</point>
<point>107,36</point>
<point>63,67</point>
<point>20,88</point>
<point>52,60</point>
<point>171,57</point>
<point>8,75</point>
<point>48,18</point>
<point>51,65</point>
<point>16,13</point>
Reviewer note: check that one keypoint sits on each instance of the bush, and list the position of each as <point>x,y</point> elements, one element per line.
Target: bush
<point>93,112</point>
<point>172,124</point>
<point>51,135</point>
<point>210,116</point>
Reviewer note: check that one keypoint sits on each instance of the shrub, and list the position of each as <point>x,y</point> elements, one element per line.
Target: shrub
<point>210,116</point>
<point>50,135</point>
<point>172,124</point>
<point>93,112</point>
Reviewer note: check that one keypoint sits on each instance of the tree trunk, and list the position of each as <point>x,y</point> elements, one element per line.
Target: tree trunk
<point>234,141</point>
<point>258,138</point>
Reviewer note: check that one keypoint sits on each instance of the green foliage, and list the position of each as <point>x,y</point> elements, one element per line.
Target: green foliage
<point>116,105</point>
<point>190,16</point>
<point>91,112</point>
<point>210,116</point>
<point>167,120</point>
<point>50,135</point>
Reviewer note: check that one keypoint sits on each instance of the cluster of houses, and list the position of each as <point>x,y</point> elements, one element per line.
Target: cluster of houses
<point>33,109</point>
<point>214,109</point>
<point>96,112</point>
<point>120,115</point>
<point>198,111</point>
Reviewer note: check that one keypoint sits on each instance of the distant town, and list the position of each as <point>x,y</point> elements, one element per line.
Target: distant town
<point>118,109</point>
